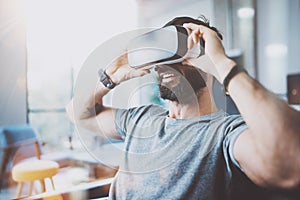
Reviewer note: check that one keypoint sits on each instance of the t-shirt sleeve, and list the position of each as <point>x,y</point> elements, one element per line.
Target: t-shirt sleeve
<point>121,119</point>
<point>234,127</point>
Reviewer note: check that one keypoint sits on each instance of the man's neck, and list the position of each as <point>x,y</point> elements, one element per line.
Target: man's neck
<point>203,105</point>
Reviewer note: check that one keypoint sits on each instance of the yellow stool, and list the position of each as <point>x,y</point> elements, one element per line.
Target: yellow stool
<point>31,171</point>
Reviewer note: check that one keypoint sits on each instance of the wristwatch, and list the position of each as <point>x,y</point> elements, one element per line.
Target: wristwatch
<point>105,79</point>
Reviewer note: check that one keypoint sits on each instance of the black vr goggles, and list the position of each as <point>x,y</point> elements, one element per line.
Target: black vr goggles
<point>165,45</point>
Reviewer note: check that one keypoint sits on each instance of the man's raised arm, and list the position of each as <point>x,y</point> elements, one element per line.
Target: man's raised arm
<point>269,150</point>
<point>90,112</point>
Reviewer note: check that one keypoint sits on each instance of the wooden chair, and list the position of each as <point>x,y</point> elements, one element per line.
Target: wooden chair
<point>28,170</point>
<point>16,143</point>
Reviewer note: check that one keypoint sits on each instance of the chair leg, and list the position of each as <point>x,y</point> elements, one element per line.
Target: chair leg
<point>53,187</point>
<point>20,188</point>
<point>30,188</point>
<point>43,185</point>
<point>4,165</point>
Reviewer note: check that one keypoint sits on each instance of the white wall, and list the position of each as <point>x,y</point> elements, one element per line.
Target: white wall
<point>278,42</point>
<point>158,13</point>
<point>12,63</point>
<point>294,37</point>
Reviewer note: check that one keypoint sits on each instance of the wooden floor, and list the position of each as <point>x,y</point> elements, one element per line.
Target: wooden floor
<point>70,183</point>
<point>81,176</point>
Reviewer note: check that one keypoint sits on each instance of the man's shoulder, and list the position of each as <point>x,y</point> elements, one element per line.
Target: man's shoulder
<point>154,109</point>
<point>143,110</point>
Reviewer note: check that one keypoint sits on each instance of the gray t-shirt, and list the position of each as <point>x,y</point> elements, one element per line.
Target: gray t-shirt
<point>166,158</point>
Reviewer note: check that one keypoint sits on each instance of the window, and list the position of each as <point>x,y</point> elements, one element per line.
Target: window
<point>60,35</point>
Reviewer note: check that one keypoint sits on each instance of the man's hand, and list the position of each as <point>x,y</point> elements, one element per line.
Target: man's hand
<point>120,70</point>
<point>215,61</point>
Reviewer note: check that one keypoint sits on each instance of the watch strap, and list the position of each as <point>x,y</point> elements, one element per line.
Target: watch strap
<point>105,79</point>
<point>233,72</point>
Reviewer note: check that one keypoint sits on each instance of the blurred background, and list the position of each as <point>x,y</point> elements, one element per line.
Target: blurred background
<point>43,45</point>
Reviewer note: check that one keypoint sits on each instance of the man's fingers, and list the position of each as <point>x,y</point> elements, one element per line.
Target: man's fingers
<point>198,30</point>
<point>190,42</point>
<point>122,60</point>
<point>191,26</point>
<point>140,72</point>
<point>194,34</point>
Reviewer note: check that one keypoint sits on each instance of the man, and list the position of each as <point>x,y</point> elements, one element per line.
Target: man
<point>193,150</point>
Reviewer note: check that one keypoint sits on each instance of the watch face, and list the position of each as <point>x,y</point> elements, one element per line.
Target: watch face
<point>109,85</point>
<point>105,80</point>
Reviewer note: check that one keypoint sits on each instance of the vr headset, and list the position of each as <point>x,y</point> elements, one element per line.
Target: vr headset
<point>166,45</point>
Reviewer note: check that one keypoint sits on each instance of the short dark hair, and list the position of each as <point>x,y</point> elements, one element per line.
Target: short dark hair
<point>201,21</point>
